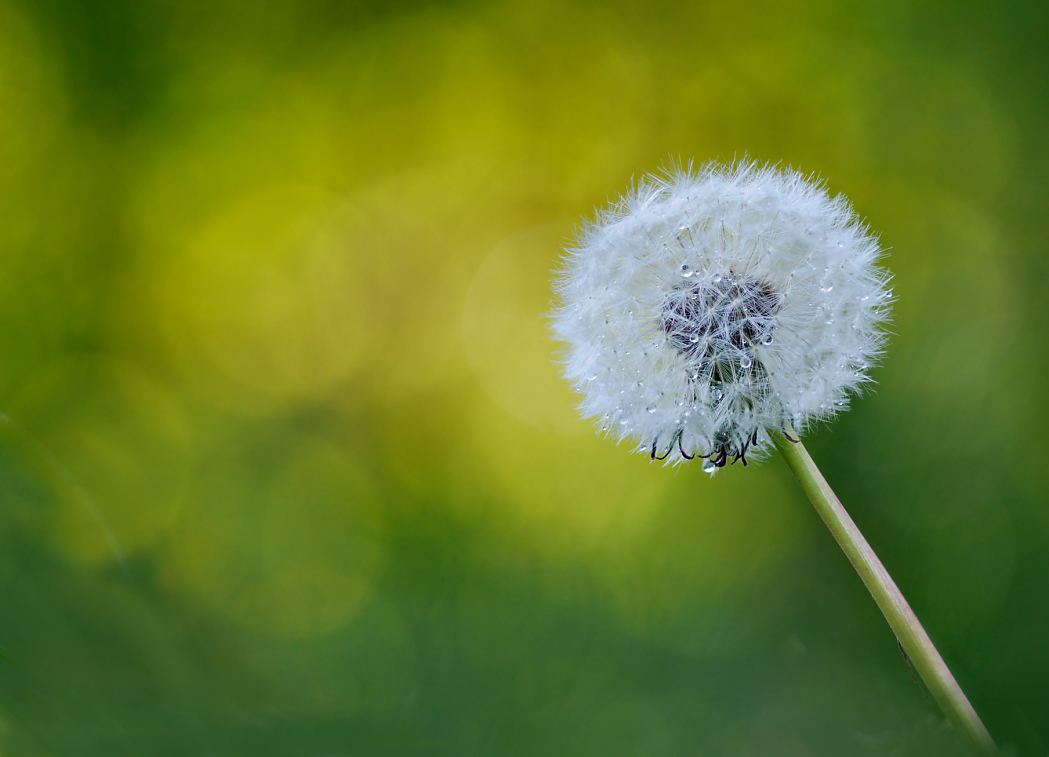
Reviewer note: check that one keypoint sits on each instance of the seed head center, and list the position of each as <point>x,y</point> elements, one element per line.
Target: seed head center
<point>721,319</point>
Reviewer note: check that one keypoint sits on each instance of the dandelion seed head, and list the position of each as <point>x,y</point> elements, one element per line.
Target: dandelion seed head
<point>707,309</point>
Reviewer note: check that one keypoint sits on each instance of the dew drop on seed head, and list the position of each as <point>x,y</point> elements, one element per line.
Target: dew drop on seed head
<point>767,340</point>
<point>686,270</point>
<point>745,362</point>
<point>694,339</point>
<point>828,287</point>
<point>591,378</point>
<point>717,277</point>
<point>709,466</point>
<point>651,408</point>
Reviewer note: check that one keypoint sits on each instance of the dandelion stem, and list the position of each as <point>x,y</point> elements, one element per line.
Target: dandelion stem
<point>909,632</point>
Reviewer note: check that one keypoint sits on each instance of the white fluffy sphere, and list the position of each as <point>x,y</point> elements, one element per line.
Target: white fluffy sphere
<point>707,309</point>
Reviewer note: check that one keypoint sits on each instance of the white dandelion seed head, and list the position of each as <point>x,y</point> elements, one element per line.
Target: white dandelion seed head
<point>707,309</point>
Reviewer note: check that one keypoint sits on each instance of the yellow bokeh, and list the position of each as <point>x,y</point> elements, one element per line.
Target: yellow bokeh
<point>268,296</point>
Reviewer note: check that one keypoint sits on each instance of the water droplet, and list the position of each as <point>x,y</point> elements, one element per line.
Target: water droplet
<point>591,378</point>
<point>717,277</point>
<point>745,362</point>
<point>694,375</point>
<point>686,271</point>
<point>767,340</point>
<point>827,287</point>
<point>694,338</point>
<point>651,408</point>
<point>710,467</point>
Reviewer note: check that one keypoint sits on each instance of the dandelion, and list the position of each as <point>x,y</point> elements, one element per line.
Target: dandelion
<point>705,311</point>
<point>715,313</point>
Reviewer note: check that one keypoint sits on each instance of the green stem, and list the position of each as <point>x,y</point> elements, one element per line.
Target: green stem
<point>909,632</point>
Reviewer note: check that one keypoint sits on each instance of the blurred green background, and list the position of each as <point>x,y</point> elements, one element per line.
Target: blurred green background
<point>286,468</point>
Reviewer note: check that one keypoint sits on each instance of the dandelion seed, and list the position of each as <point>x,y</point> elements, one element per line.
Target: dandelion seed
<point>756,295</point>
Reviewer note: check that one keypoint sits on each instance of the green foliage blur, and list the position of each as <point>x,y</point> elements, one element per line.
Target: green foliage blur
<point>286,467</point>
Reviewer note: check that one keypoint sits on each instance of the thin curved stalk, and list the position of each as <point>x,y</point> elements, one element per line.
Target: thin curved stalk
<point>909,632</point>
